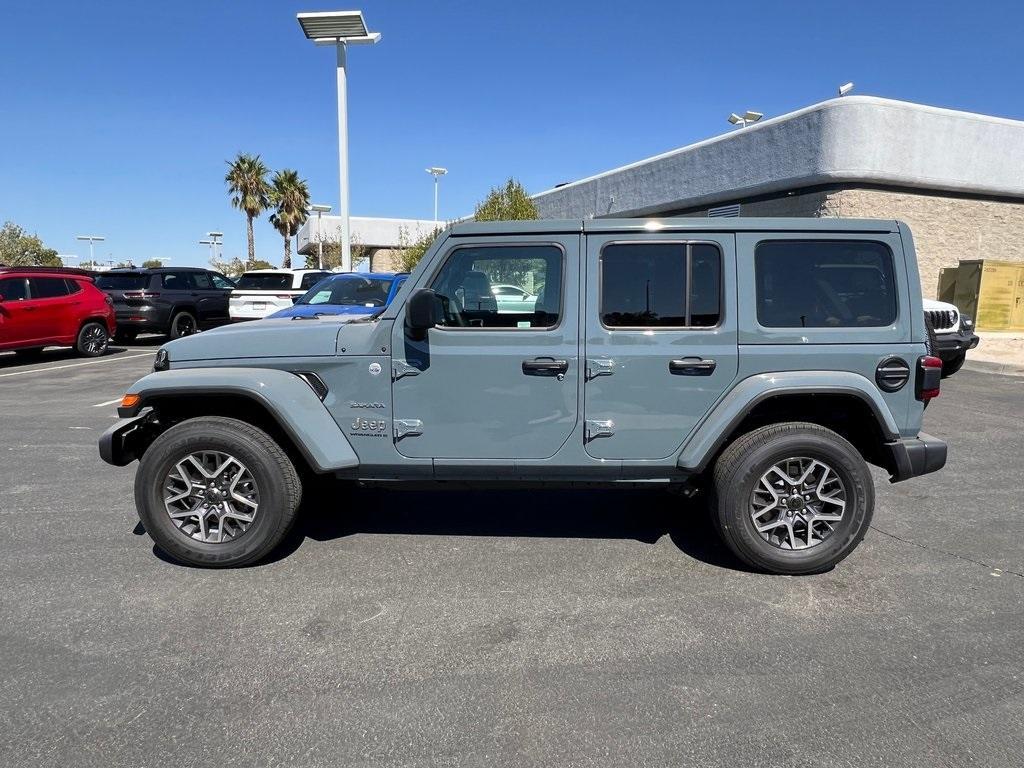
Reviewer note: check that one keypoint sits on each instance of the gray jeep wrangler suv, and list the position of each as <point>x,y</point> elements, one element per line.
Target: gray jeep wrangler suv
<point>772,358</point>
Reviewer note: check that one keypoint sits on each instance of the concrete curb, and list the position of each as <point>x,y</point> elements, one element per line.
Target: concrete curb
<point>990,366</point>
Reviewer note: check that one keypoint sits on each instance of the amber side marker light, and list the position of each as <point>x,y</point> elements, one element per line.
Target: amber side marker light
<point>130,401</point>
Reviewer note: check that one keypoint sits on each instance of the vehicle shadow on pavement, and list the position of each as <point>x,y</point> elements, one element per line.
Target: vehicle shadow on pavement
<point>643,516</point>
<point>12,360</point>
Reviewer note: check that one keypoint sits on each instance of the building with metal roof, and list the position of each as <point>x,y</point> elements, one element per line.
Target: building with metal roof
<point>956,177</point>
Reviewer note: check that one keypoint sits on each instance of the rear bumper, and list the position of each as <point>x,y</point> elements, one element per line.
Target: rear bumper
<point>916,456</point>
<point>952,345</point>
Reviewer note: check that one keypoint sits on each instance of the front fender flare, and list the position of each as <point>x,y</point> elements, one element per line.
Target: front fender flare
<point>705,441</point>
<point>288,399</point>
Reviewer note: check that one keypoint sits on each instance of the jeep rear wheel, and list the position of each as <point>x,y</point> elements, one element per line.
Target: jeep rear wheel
<point>216,492</point>
<point>792,498</point>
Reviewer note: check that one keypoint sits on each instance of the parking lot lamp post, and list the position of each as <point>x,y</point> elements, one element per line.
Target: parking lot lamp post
<point>340,29</point>
<point>92,239</point>
<point>218,240</point>
<point>210,243</point>
<point>437,173</point>
<point>320,210</point>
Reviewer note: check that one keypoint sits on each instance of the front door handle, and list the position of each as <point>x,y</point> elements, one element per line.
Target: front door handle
<point>545,366</point>
<point>692,366</point>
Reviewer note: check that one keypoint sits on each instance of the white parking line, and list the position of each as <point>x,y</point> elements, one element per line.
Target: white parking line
<point>109,402</point>
<point>76,365</point>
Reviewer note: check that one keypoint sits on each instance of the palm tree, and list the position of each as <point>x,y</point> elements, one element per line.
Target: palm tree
<point>290,195</point>
<point>247,184</point>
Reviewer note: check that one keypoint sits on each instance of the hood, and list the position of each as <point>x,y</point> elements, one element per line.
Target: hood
<point>312,310</point>
<point>260,339</point>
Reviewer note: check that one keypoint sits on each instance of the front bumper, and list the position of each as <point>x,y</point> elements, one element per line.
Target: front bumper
<point>951,345</point>
<point>915,456</point>
<point>126,440</point>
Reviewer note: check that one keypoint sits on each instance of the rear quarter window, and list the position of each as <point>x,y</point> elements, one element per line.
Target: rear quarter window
<point>824,284</point>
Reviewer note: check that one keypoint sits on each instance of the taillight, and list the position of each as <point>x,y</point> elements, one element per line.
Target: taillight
<point>929,376</point>
<point>283,296</point>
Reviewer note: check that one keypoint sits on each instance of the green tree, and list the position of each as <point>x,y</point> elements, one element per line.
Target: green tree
<point>247,184</point>
<point>20,249</point>
<point>152,263</point>
<point>290,195</point>
<point>413,252</point>
<point>507,203</point>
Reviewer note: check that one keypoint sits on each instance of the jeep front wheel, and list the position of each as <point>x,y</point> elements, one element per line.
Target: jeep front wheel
<point>792,498</point>
<point>216,492</point>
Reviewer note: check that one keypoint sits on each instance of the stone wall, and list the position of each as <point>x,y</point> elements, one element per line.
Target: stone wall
<point>386,260</point>
<point>946,229</point>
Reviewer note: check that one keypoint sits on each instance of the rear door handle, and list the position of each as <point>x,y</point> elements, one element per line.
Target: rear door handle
<point>545,366</point>
<point>692,366</point>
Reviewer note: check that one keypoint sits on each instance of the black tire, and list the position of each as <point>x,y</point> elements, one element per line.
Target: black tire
<point>29,354</point>
<point>280,490</point>
<point>183,324</point>
<point>739,469</point>
<point>93,339</point>
<point>125,337</point>
<point>949,367</point>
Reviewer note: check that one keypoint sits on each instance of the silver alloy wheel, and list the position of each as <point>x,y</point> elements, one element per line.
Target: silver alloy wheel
<point>797,503</point>
<point>95,339</point>
<point>211,496</point>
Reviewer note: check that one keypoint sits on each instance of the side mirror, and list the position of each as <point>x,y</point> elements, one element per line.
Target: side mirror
<point>421,313</point>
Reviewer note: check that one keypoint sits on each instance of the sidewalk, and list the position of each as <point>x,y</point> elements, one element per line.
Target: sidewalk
<point>998,352</point>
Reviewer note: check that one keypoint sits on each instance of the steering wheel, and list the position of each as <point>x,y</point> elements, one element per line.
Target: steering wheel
<point>452,315</point>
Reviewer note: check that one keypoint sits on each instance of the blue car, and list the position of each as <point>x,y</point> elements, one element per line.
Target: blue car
<point>349,293</point>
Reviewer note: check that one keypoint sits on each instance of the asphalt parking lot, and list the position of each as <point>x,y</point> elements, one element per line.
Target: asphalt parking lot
<point>482,629</point>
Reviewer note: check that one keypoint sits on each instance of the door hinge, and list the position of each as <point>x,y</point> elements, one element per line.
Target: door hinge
<point>408,428</point>
<point>600,367</point>
<point>400,368</point>
<point>599,428</point>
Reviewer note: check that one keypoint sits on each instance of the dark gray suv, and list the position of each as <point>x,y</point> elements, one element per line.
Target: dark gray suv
<point>177,301</point>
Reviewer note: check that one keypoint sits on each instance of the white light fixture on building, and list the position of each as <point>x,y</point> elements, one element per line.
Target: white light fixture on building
<point>845,88</point>
<point>319,209</point>
<point>437,173</point>
<point>340,29</point>
<point>747,118</point>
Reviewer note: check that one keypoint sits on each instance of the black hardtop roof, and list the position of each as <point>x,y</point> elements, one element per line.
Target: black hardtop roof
<point>674,224</point>
<point>149,270</point>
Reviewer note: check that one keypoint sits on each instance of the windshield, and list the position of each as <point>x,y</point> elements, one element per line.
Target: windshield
<point>122,282</point>
<point>349,290</point>
<point>265,281</point>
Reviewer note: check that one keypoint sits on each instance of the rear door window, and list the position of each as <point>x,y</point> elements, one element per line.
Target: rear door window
<point>48,287</point>
<point>201,281</point>
<point>824,284</point>
<point>312,278</point>
<point>175,281</point>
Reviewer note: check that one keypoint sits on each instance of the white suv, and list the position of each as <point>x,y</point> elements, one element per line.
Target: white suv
<point>954,334</point>
<point>263,291</point>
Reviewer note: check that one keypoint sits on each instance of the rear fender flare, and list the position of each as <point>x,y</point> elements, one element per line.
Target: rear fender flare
<point>704,442</point>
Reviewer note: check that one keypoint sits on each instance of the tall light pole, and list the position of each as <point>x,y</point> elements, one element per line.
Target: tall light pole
<point>218,240</point>
<point>320,210</point>
<point>340,29</point>
<point>92,239</point>
<point>437,173</point>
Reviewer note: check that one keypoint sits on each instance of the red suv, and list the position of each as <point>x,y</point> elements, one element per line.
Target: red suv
<point>48,307</point>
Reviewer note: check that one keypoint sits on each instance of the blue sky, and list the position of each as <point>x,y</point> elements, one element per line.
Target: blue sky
<point>119,118</point>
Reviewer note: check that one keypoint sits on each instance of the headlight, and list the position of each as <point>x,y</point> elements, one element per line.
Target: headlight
<point>162,361</point>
